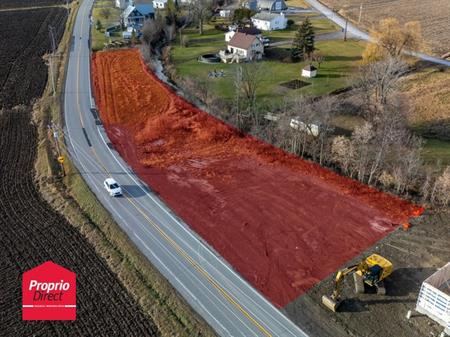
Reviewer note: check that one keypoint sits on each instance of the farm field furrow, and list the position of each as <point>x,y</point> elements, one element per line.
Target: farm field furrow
<point>8,4</point>
<point>281,222</point>
<point>24,39</point>
<point>32,232</point>
<point>432,14</point>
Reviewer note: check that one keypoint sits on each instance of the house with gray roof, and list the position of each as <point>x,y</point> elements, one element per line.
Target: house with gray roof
<point>269,21</point>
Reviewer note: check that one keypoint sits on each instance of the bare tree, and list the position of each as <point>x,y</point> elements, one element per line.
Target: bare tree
<point>323,111</point>
<point>441,189</point>
<point>152,35</point>
<point>391,40</point>
<point>379,80</point>
<point>247,82</point>
<point>361,142</point>
<point>201,10</point>
<point>343,153</point>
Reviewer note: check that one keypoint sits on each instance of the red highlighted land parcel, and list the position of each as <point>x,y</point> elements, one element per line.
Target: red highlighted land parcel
<point>282,222</point>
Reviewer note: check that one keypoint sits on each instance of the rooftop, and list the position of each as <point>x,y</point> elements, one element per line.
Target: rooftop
<point>242,40</point>
<point>266,16</point>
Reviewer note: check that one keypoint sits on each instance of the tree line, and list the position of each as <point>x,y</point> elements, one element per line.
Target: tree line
<point>380,151</point>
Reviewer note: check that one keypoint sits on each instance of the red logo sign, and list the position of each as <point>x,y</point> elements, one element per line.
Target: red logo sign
<point>49,293</point>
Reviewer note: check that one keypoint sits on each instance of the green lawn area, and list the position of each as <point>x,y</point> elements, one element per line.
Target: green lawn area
<point>98,37</point>
<point>297,3</point>
<point>341,59</point>
<point>321,26</point>
<point>436,151</point>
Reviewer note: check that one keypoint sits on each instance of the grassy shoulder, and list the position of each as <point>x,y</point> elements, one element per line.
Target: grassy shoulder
<point>428,89</point>
<point>72,197</point>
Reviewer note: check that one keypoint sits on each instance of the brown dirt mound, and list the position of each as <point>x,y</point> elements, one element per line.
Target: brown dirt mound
<point>282,222</point>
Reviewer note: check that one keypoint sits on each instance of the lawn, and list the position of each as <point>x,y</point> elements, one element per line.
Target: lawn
<point>321,26</point>
<point>341,59</point>
<point>99,40</point>
<point>436,152</point>
<point>297,3</point>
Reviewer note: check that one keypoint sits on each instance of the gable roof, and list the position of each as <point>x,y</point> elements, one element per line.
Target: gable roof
<point>144,9</point>
<point>242,41</point>
<point>265,16</point>
<point>271,4</point>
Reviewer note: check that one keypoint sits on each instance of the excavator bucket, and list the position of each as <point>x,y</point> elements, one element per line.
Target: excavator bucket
<point>330,303</point>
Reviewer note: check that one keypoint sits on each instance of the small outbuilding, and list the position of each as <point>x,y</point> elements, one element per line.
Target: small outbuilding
<point>269,21</point>
<point>309,71</point>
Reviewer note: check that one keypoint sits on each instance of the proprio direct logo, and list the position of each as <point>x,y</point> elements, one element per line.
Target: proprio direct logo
<point>49,293</point>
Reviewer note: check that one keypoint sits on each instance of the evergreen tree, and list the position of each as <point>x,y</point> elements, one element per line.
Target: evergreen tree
<point>303,42</point>
<point>309,37</point>
<point>298,45</point>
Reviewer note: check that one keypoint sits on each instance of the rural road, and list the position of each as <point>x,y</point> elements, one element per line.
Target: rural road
<point>355,32</point>
<point>225,300</point>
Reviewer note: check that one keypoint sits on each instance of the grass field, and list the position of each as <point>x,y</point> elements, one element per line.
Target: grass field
<point>432,14</point>
<point>98,37</point>
<point>341,59</point>
<point>321,26</point>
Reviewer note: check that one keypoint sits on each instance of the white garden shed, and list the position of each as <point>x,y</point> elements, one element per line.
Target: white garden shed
<point>434,297</point>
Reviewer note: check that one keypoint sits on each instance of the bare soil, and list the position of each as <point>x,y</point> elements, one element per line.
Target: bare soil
<point>282,222</point>
<point>416,254</point>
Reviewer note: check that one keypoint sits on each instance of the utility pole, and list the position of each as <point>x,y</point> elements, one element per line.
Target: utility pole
<point>51,30</point>
<point>345,29</point>
<point>360,13</point>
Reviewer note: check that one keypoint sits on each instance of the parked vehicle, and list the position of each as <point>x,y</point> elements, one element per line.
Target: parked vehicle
<point>309,128</point>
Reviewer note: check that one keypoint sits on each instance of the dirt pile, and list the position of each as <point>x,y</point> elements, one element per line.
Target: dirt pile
<point>282,222</point>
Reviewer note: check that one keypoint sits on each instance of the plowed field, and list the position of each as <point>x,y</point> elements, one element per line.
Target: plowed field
<point>6,4</point>
<point>282,222</point>
<point>31,232</point>
<point>434,16</point>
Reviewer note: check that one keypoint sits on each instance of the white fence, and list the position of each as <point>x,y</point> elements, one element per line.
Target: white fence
<point>434,297</point>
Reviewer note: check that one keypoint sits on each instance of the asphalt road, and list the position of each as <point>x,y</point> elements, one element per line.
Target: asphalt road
<point>226,301</point>
<point>355,32</point>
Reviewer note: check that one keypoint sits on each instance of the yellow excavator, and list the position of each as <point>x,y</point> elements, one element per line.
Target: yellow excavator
<point>371,271</point>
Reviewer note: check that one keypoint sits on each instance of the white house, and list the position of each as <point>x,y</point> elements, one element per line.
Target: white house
<point>245,30</point>
<point>309,71</point>
<point>122,4</point>
<point>242,47</point>
<point>135,15</point>
<point>269,21</point>
<point>159,4</point>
